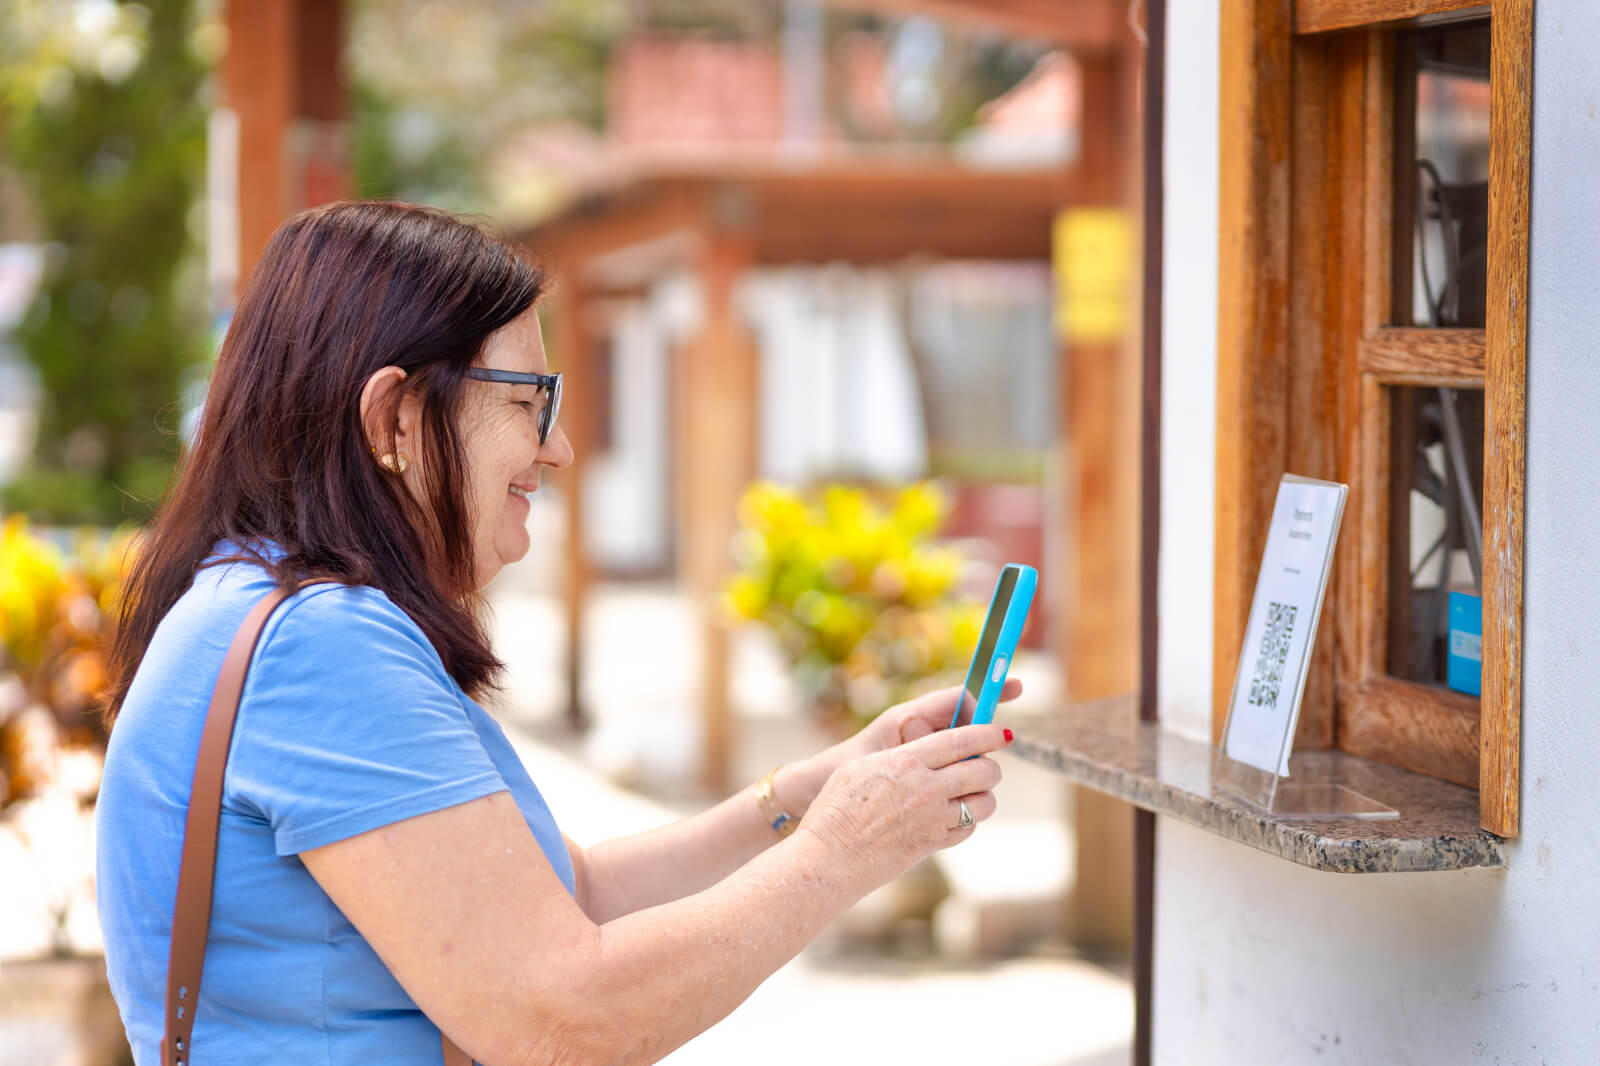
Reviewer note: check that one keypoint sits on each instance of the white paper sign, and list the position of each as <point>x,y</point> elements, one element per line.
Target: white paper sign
<point>1283,622</point>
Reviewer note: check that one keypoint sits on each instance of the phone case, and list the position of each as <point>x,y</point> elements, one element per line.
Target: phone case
<point>999,664</point>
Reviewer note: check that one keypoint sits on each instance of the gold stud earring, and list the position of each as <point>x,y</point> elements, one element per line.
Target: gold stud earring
<point>395,464</point>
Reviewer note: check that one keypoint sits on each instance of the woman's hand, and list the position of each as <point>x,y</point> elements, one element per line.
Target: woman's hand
<point>798,782</point>
<point>912,720</point>
<point>881,813</point>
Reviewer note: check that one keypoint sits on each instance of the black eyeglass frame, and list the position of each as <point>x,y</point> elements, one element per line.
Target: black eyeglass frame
<point>547,417</point>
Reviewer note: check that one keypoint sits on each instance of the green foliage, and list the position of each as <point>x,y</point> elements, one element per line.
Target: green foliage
<point>411,153</point>
<point>108,133</point>
<point>443,92</point>
<point>861,598</point>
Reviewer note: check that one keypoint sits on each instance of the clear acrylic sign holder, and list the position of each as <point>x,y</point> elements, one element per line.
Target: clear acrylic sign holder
<point>1303,799</point>
<point>1314,794</point>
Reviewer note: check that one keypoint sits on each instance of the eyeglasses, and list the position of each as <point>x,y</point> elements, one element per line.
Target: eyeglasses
<point>549,382</point>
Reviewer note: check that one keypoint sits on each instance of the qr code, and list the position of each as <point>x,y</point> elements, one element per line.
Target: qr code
<point>1274,652</point>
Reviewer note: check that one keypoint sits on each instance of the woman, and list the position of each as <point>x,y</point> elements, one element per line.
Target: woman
<point>385,870</point>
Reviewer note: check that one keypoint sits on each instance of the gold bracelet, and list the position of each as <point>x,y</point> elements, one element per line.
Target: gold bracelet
<point>783,823</point>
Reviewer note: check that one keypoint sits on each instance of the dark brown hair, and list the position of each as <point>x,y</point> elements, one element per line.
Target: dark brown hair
<point>281,466</point>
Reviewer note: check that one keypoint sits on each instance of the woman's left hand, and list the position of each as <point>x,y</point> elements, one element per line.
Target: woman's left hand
<point>911,720</point>
<point>799,782</point>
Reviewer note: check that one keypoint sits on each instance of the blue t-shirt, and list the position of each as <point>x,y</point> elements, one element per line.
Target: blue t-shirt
<point>349,722</point>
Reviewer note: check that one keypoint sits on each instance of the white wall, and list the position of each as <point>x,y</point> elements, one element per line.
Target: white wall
<point>628,483</point>
<point>1259,960</point>
<point>838,387</point>
<point>838,393</point>
<point>1188,368</point>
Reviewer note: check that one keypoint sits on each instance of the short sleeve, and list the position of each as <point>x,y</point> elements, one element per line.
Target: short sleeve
<point>349,722</point>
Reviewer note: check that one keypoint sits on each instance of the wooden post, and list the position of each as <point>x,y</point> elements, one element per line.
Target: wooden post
<point>283,81</point>
<point>568,305</point>
<point>1100,405</point>
<point>1152,190</point>
<point>1253,261</point>
<point>718,442</point>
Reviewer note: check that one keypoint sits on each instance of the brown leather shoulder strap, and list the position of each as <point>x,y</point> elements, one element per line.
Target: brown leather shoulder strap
<point>453,1056</point>
<point>191,917</point>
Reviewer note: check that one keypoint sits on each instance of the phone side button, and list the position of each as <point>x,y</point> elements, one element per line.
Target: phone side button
<point>999,668</point>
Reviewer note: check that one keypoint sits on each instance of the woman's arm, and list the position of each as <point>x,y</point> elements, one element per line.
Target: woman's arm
<point>660,865</point>
<point>463,908</point>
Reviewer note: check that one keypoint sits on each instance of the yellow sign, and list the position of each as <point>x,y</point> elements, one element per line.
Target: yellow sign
<point>1092,255</point>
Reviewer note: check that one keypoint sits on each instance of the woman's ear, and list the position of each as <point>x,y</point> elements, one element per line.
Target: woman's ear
<point>389,413</point>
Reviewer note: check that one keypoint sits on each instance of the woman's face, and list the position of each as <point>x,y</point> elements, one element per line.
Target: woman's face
<point>500,433</point>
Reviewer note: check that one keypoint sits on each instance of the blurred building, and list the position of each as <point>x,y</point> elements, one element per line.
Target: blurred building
<point>685,245</point>
<point>866,373</point>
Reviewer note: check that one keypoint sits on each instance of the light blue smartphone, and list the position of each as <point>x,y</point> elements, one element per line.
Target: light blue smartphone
<point>1013,595</point>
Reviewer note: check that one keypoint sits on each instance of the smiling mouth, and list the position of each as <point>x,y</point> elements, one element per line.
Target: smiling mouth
<point>518,490</point>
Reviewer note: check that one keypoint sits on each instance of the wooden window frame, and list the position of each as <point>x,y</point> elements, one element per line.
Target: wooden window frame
<point>1306,359</point>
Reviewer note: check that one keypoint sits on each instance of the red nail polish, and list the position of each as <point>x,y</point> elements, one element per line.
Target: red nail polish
<point>1009,736</point>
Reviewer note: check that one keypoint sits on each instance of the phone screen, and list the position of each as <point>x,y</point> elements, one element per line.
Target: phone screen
<point>991,636</point>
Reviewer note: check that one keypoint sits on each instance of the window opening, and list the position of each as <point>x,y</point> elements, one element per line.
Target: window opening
<point>1442,177</point>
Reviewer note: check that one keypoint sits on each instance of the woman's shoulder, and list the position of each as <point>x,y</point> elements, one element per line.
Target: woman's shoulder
<point>347,628</point>
<point>335,604</point>
<point>328,621</point>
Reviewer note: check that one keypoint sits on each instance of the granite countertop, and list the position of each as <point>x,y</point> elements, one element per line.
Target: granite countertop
<point>1105,747</point>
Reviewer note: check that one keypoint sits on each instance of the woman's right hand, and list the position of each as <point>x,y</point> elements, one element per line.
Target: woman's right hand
<point>884,812</point>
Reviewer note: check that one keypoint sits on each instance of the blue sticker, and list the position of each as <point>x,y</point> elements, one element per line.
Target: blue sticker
<point>1465,670</point>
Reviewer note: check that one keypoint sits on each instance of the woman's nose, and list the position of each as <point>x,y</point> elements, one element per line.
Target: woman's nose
<point>557,450</point>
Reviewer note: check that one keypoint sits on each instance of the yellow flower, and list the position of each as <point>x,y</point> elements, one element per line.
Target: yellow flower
<point>919,509</point>
<point>930,575</point>
<point>843,506</point>
<point>965,627</point>
<point>746,597</point>
<point>772,509</point>
<point>853,585</point>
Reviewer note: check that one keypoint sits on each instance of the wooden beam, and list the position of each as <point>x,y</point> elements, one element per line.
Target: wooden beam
<point>866,214</point>
<point>858,237</point>
<point>572,354</point>
<point>1348,147</point>
<point>718,435</point>
<point>282,79</point>
<point>1252,313</point>
<point>931,184</point>
<point>1320,16</point>
<point>1425,728</point>
<point>886,214</point>
<point>1447,357</point>
<point>1314,356</point>
<point>1370,624</point>
<point>609,224</point>
<point>1366,621</point>
<point>1505,398</point>
<point>1082,25</point>
<point>1100,405</point>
